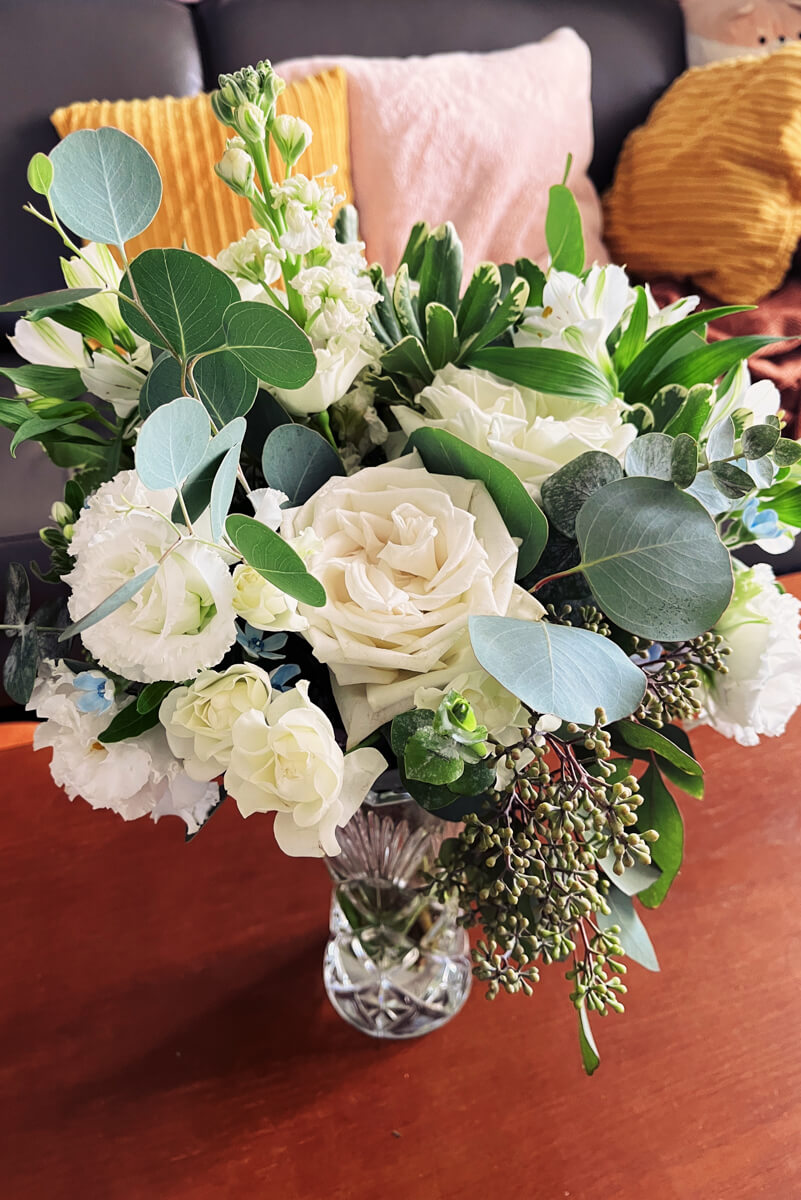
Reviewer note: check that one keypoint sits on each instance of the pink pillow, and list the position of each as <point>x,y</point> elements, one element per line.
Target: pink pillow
<point>476,139</point>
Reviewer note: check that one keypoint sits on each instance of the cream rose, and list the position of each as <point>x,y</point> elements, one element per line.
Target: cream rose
<point>263,605</point>
<point>532,434</point>
<point>287,761</point>
<point>405,558</point>
<point>339,361</point>
<point>198,719</point>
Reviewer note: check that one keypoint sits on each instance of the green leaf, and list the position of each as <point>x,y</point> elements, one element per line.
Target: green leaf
<point>730,480</point>
<point>118,597</point>
<point>442,342</point>
<point>693,785</point>
<point>653,559</point>
<point>269,344</point>
<point>642,737</point>
<point>415,249</point>
<point>636,380</point>
<point>786,452</point>
<point>666,405</point>
<point>184,296</point>
<point>40,174</point>
<point>408,357</point>
<point>535,278</point>
<point>692,415</point>
<point>508,313</point>
<point>441,269</point>
<point>633,935</point>
<point>49,300</point>
<point>431,758</point>
<point>684,460</point>
<point>222,491</point>
<point>633,337</point>
<point>650,455</point>
<point>445,454</point>
<point>404,304</point>
<point>785,503</point>
<point>346,224</point>
<point>564,492</point>
<point>18,595</point>
<point>405,725</point>
<point>709,362</point>
<point>558,668</point>
<point>479,301</point>
<point>130,723</point>
<point>197,489</point>
<point>589,1051</point>
<point>106,187</point>
<point>759,440</point>
<point>151,696</point>
<point>385,310</point>
<point>554,372</point>
<point>172,443</point>
<point>659,811</point>
<point>563,231</point>
<point>62,383</point>
<point>277,562</point>
<point>476,779</point>
<point>84,321</point>
<point>226,388</point>
<point>19,669</point>
<point>34,428</point>
<point>298,461</point>
<point>633,880</point>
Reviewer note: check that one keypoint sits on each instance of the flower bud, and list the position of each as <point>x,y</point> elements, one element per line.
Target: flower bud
<point>455,718</point>
<point>291,136</point>
<point>236,168</point>
<point>61,512</point>
<point>250,121</point>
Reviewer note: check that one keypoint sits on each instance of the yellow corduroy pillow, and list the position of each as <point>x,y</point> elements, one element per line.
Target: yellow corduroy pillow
<point>186,140</point>
<point>710,186</point>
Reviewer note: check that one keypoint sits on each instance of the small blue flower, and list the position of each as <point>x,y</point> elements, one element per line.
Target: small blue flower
<point>282,675</point>
<point>651,655</point>
<point>97,692</point>
<point>259,644</point>
<point>760,524</point>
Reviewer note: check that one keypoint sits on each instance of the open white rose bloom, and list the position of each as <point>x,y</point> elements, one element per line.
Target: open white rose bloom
<point>334,526</point>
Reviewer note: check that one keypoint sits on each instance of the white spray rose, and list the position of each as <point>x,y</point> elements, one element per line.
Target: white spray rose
<point>762,688</point>
<point>338,364</point>
<point>198,719</point>
<point>406,557</point>
<point>263,605</point>
<point>532,434</point>
<point>494,706</point>
<point>287,761</point>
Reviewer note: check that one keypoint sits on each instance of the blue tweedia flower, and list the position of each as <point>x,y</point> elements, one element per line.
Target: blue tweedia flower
<point>259,644</point>
<point>760,524</point>
<point>281,676</point>
<point>650,656</point>
<point>96,692</point>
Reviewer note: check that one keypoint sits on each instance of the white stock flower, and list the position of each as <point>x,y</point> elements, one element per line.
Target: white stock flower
<point>287,761</point>
<point>758,400</point>
<point>308,207</point>
<point>494,706</point>
<point>337,295</point>
<point>118,379</point>
<point>198,719</point>
<point>292,136</point>
<point>49,345</point>
<point>136,777</point>
<point>762,688</point>
<point>406,558</point>
<point>180,622</point>
<point>578,314</point>
<point>531,433</point>
<point>263,605</point>
<point>254,258</point>
<point>338,364</point>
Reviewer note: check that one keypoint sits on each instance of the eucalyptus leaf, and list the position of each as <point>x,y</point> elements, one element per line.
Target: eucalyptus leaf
<point>49,300</point>
<point>563,231</point>
<point>18,595</point>
<point>650,455</point>
<point>118,597</point>
<point>720,443</point>
<point>276,561</point>
<point>633,880</point>
<point>554,372</point>
<point>659,811</point>
<point>731,480</point>
<point>564,492</point>
<point>786,452</point>
<point>445,454</point>
<point>269,344</point>
<point>196,491</point>
<point>185,297</point>
<point>40,174</point>
<point>105,187</point>
<point>19,669</point>
<point>558,668</point>
<point>633,936</point>
<point>298,461</point>
<point>480,299</point>
<point>62,383</point>
<point>759,440</point>
<point>172,443</point>
<point>684,460</point>
<point>762,471</point>
<point>653,559</point>
<point>222,492</point>
<point>226,388</point>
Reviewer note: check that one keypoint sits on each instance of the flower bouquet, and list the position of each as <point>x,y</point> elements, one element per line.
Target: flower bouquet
<point>326,522</point>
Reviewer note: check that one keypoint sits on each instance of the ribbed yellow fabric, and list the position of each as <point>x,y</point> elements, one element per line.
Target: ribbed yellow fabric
<point>710,186</point>
<point>186,140</point>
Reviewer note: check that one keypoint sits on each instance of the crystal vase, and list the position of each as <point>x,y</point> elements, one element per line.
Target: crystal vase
<point>397,964</point>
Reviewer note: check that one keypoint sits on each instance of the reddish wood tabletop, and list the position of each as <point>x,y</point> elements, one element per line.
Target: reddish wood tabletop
<point>164,1032</point>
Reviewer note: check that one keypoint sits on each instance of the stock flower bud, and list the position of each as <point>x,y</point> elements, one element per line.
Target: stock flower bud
<point>291,136</point>
<point>250,121</point>
<point>236,168</point>
<point>61,512</point>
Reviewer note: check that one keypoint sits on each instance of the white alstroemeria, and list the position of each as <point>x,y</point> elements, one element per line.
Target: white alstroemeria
<point>118,379</point>
<point>338,364</point>
<point>308,207</point>
<point>578,314</point>
<point>255,259</point>
<point>762,687</point>
<point>531,433</point>
<point>266,504</point>
<point>336,299</point>
<point>49,345</point>
<point>286,760</point>
<point>97,268</point>
<point>660,318</point>
<point>757,400</point>
<point>135,777</point>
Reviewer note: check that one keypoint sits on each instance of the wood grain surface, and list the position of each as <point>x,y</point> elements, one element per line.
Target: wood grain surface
<point>164,1032</point>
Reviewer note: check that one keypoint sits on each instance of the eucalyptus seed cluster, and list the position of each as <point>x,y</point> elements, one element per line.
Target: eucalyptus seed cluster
<point>673,677</point>
<point>598,985</point>
<point>583,616</point>
<point>526,867</point>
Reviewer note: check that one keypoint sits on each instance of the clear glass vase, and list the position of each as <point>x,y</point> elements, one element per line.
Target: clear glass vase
<point>397,964</point>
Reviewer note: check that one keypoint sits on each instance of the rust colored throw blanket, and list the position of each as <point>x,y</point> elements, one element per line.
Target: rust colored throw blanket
<point>778,314</point>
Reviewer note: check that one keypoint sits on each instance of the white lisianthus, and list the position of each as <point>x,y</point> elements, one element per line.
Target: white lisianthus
<point>179,623</point>
<point>756,400</point>
<point>198,719</point>
<point>338,364</point>
<point>308,207</point>
<point>578,314</point>
<point>118,379</point>
<point>532,434</point>
<point>266,504</point>
<point>115,498</point>
<point>97,268</point>
<point>134,778</point>
<point>263,605</point>
<point>406,557</point>
<point>49,345</point>
<point>287,761</point>
<point>494,706</point>
<point>762,688</point>
<point>254,258</point>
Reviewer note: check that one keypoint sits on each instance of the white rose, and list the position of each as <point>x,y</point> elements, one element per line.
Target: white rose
<point>406,558</point>
<point>762,688</point>
<point>198,719</point>
<point>263,605</point>
<point>494,706</point>
<point>338,364</point>
<point>532,434</point>
<point>181,621</point>
<point>287,761</point>
<point>134,778</point>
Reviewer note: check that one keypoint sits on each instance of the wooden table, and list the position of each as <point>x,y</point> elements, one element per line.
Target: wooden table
<point>164,1032</point>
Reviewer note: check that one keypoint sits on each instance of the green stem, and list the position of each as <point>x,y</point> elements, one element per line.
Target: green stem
<point>324,424</point>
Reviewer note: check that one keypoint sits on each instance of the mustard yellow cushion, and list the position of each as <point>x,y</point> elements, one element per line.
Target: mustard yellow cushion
<point>186,140</point>
<point>710,186</point>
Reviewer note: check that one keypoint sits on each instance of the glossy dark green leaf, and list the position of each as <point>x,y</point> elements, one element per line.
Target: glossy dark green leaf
<point>129,723</point>
<point>226,388</point>
<point>442,341</point>
<point>152,695</point>
<point>564,492</point>
<point>185,297</point>
<point>48,300</point>
<point>554,372</point>
<point>692,415</point>
<point>404,305</point>
<point>441,269</point>
<point>563,231</point>
<point>276,561</point>
<point>643,737</point>
<point>430,758</point>
<point>35,428</point>
<point>269,344</point>
<point>535,277</point>
<point>414,250</point>
<point>62,383</point>
<point>479,301</point>
<point>589,1051</point>
<point>298,461</point>
<point>408,357</point>
<point>505,315</point>
<point>659,811</point>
